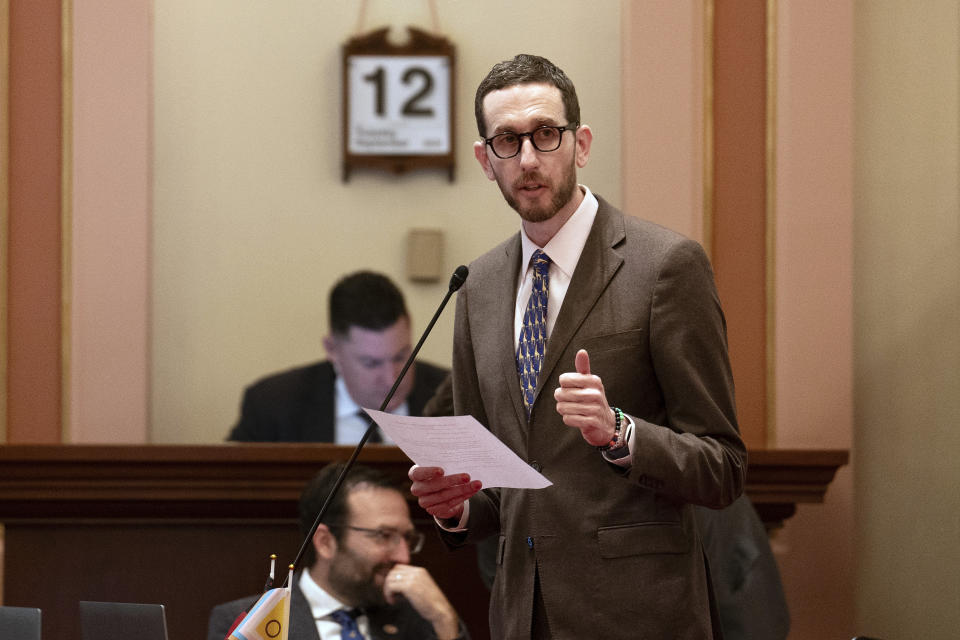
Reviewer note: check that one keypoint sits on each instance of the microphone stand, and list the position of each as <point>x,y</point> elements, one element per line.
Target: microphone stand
<point>456,281</point>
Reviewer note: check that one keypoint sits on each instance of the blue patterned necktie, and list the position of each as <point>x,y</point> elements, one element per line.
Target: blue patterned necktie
<point>346,618</point>
<point>533,334</point>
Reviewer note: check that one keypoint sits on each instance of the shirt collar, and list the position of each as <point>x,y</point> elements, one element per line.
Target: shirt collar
<point>322,604</point>
<point>345,407</point>
<point>565,247</point>
<point>344,404</point>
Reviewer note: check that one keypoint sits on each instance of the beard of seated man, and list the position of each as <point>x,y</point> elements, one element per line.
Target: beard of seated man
<point>353,577</point>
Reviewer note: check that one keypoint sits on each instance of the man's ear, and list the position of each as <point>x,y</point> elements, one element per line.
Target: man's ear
<point>330,346</point>
<point>584,139</point>
<point>324,542</point>
<point>480,153</point>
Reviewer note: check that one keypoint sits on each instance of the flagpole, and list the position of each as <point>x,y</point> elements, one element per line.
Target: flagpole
<point>273,566</point>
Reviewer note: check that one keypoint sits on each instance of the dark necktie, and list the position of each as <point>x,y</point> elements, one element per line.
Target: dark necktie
<point>375,434</point>
<point>347,619</point>
<point>533,334</point>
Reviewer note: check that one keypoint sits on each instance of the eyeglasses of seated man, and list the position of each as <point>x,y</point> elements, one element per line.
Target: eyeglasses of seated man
<point>389,538</point>
<point>544,139</point>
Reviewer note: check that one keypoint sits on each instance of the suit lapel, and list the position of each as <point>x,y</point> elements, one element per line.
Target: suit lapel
<point>596,267</point>
<point>505,342</point>
<point>302,624</point>
<point>319,405</point>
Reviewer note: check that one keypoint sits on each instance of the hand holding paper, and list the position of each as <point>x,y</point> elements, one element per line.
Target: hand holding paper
<point>459,444</point>
<point>440,495</point>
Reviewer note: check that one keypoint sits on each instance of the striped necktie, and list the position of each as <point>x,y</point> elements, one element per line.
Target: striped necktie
<point>533,334</point>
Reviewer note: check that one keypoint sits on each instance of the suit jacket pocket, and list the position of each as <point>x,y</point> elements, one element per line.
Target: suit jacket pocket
<point>641,538</point>
<point>613,341</point>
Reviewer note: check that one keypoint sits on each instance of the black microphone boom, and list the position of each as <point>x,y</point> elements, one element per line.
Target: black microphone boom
<point>456,281</point>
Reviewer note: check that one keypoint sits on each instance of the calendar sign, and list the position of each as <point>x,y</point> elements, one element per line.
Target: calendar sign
<point>399,105</point>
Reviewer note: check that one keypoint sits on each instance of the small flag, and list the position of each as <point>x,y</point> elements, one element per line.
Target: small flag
<point>269,618</point>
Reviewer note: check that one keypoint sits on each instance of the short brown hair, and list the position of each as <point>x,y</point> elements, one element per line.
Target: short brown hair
<point>526,69</point>
<point>367,300</point>
<point>338,511</point>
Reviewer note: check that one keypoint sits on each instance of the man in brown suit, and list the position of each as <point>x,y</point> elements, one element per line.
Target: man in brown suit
<point>627,406</point>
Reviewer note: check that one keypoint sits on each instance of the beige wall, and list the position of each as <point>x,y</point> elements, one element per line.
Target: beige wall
<point>907,312</point>
<point>252,223</point>
<point>812,295</point>
<point>108,273</point>
<point>662,86</point>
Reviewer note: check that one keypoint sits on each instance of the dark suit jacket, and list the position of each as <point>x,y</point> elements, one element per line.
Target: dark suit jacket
<point>399,622</point>
<point>297,405</point>
<point>744,571</point>
<point>615,549</point>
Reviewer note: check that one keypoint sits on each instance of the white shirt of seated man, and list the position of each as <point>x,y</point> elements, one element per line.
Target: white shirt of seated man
<point>367,363</point>
<point>367,564</point>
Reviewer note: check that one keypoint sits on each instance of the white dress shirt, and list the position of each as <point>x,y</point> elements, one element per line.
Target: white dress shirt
<point>348,425</point>
<point>322,604</point>
<point>564,249</point>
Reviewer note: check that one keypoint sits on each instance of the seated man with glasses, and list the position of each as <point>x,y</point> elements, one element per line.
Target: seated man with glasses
<point>359,582</point>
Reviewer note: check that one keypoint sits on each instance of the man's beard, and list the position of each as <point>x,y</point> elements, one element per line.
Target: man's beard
<point>561,196</point>
<point>354,581</point>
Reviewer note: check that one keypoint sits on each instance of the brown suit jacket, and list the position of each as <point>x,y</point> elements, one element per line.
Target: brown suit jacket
<point>617,551</point>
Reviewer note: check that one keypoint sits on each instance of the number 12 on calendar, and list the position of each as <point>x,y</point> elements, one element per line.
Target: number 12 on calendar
<point>398,105</point>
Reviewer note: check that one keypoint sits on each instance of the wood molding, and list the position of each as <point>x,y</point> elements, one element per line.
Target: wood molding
<point>4,202</point>
<point>66,214</point>
<point>263,481</point>
<point>770,230</point>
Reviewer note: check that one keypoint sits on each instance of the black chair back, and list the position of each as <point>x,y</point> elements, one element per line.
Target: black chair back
<point>19,623</point>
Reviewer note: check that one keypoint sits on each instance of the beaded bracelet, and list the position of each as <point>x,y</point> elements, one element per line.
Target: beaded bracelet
<point>617,441</point>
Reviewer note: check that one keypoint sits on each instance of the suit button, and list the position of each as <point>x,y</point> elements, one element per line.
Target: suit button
<point>530,542</point>
<point>536,466</point>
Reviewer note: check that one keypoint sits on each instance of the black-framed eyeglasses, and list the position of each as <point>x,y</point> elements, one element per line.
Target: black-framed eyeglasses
<point>390,538</point>
<point>546,138</point>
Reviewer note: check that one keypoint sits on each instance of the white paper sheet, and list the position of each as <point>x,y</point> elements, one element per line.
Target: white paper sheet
<point>459,444</point>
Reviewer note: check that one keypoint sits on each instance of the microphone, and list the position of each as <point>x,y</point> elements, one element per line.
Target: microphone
<point>456,281</point>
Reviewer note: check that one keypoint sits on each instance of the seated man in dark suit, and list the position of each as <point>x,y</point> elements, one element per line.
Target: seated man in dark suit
<point>369,343</point>
<point>745,576</point>
<point>358,576</point>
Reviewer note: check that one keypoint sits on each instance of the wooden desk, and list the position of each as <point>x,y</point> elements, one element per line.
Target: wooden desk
<point>192,526</point>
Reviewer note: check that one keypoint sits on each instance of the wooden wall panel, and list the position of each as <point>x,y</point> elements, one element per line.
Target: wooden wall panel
<point>739,201</point>
<point>192,526</point>
<point>34,233</point>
